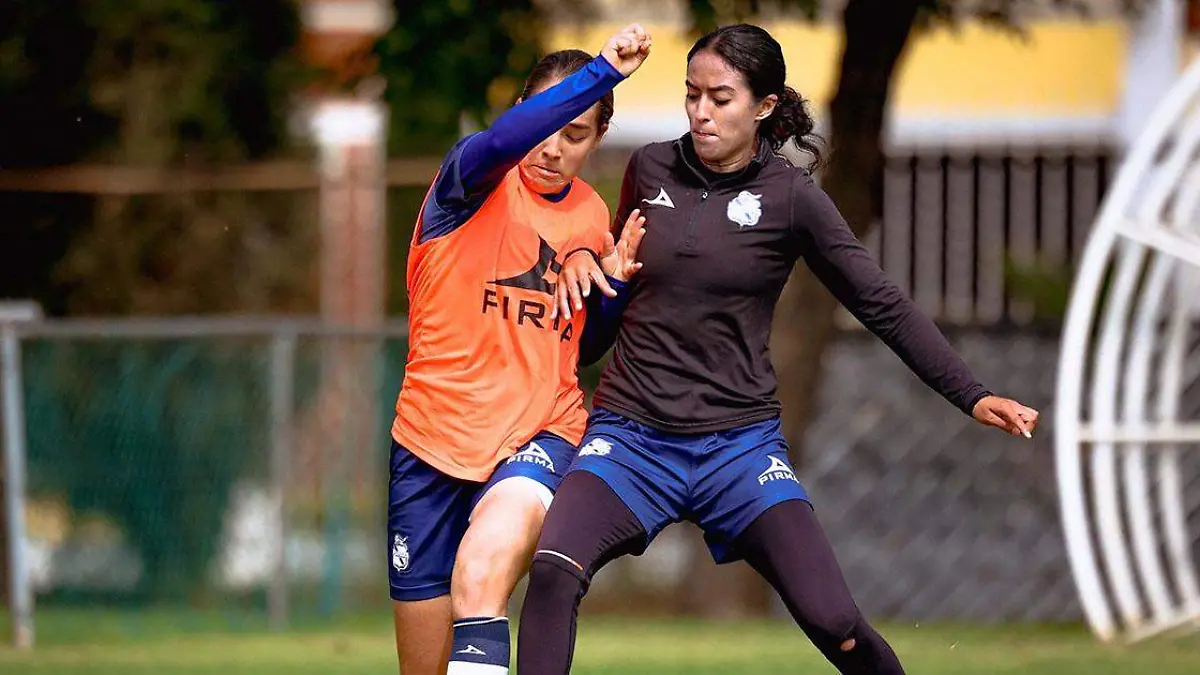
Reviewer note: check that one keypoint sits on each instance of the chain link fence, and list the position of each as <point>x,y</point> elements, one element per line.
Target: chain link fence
<point>166,459</point>
<point>933,517</point>
<point>232,465</point>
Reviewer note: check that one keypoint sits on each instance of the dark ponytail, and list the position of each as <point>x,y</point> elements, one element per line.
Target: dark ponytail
<point>556,66</point>
<point>752,51</point>
<point>792,120</point>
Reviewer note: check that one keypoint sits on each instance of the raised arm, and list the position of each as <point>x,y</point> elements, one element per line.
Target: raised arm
<point>489,154</point>
<point>477,164</point>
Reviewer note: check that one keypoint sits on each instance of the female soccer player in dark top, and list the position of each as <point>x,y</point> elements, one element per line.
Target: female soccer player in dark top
<point>686,423</point>
<point>490,413</point>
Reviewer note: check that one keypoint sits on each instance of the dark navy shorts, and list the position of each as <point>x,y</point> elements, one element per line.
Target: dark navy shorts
<point>428,511</point>
<point>721,481</point>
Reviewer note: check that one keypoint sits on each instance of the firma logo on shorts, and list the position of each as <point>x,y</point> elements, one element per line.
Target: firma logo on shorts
<point>533,454</point>
<point>777,470</point>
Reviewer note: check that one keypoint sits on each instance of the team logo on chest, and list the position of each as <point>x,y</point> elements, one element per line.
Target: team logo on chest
<point>663,199</point>
<point>535,279</point>
<point>745,209</point>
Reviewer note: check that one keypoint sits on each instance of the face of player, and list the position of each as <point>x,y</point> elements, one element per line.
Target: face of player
<point>723,112</point>
<point>556,161</point>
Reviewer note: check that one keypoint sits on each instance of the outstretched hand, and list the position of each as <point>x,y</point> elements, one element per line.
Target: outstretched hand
<point>579,271</point>
<point>619,260</point>
<point>1006,414</point>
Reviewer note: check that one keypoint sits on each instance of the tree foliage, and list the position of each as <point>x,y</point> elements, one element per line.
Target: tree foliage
<point>150,83</point>
<point>206,77</point>
<point>450,61</point>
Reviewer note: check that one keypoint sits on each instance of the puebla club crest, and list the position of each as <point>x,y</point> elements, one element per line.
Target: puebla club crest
<point>745,209</point>
<point>400,553</point>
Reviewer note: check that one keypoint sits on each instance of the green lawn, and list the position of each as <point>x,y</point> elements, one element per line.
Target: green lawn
<point>106,643</point>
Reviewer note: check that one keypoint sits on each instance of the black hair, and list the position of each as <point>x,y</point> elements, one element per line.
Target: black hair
<point>559,64</point>
<point>752,51</point>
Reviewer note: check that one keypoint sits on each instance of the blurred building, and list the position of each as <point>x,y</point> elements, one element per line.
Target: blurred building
<point>1000,144</point>
<point>1062,81</point>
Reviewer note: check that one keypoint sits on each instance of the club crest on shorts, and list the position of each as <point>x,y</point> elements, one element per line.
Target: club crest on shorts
<point>399,553</point>
<point>596,446</point>
<point>745,209</point>
<point>533,454</point>
<point>777,470</point>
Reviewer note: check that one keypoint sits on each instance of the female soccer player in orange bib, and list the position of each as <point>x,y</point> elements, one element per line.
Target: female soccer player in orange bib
<point>490,412</point>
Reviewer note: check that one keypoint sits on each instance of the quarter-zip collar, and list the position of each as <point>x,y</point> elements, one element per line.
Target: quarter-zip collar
<point>687,154</point>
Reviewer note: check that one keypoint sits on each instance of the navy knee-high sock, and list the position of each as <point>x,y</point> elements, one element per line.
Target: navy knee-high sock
<point>481,647</point>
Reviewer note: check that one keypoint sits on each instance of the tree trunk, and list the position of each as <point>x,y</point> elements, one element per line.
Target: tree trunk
<point>876,33</point>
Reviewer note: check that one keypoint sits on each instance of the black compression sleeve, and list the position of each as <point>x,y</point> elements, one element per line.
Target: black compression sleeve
<point>787,546</point>
<point>586,527</point>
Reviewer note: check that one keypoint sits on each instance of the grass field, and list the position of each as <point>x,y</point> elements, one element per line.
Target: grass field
<point>106,643</point>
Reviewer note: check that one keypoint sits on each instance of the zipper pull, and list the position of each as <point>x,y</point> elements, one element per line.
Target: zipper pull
<point>704,195</point>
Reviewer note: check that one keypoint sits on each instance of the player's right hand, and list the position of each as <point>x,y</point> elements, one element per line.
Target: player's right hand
<point>579,272</point>
<point>627,49</point>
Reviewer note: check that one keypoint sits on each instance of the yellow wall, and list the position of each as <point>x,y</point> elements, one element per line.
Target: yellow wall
<point>1061,68</point>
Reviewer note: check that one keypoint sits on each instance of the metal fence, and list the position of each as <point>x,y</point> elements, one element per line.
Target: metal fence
<point>233,464</point>
<point>933,517</point>
<point>961,228</point>
<point>239,465</point>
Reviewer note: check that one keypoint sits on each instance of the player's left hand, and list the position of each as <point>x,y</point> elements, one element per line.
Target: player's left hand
<point>628,49</point>
<point>579,271</point>
<point>1006,414</point>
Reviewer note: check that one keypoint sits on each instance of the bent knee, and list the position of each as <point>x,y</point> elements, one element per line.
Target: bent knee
<point>838,629</point>
<point>485,573</point>
<point>476,572</point>
<point>476,590</point>
<point>557,575</point>
<point>495,552</point>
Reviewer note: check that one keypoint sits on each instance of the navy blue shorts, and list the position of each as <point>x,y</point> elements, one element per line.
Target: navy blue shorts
<point>721,481</point>
<point>428,511</point>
